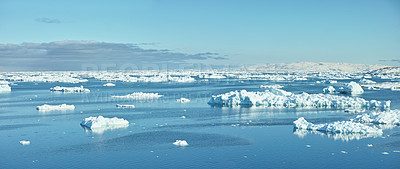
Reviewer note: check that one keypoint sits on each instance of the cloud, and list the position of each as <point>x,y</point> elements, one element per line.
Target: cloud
<point>71,55</point>
<point>47,20</point>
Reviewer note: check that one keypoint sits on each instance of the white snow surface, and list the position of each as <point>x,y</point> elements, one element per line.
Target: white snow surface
<point>140,96</point>
<point>183,100</point>
<point>180,143</point>
<point>279,98</point>
<point>70,89</point>
<point>351,88</point>
<point>383,117</point>
<point>337,127</point>
<point>47,107</point>
<point>102,123</point>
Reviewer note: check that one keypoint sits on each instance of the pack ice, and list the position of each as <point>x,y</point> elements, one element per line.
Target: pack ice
<point>100,123</point>
<point>384,117</point>
<point>47,107</point>
<point>140,95</point>
<point>273,97</point>
<point>337,127</point>
<point>69,89</point>
<point>4,86</point>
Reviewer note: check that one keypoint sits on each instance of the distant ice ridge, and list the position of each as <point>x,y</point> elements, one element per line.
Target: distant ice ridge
<point>125,106</point>
<point>337,127</point>
<point>47,107</point>
<point>62,77</point>
<point>385,85</point>
<point>109,84</point>
<point>271,86</point>
<point>367,81</point>
<point>273,97</point>
<point>100,124</point>
<point>140,96</point>
<point>351,88</point>
<point>183,100</point>
<point>69,89</point>
<point>301,133</point>
<point>4,86</point>
<point>384,117</point>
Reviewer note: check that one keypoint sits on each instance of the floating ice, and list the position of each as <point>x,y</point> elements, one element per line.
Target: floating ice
<point>47,107</point>
<point>271,86</point>
<point>183,100</point>
<point>4,86</point>
<point>69,89</point>
<point>140,96</point>
<point>354,110</point>
<point>125,106</point>
<point>59,76</point>
<point>384,117</point>
<point>366,81</point>
<point>329,89</point>
<point>337,127</point>
<point>109,84</point>
<point>279,98</point>
<point>385,85</point>
<point>100,123</point>
<point>24,142</point>
<point>351,88</point>
<point>301,133</point>
<point>182,143</point>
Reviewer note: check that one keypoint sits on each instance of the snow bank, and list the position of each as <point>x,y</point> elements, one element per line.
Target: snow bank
<point>140,96</point>
<point>125,106</point>
<point>279,98</point>
<point>384,117</point>
<point>100,123</point>
<point>180,143</point>
<point>69,89</point>
<point>47,107</point>
<point>336,127</point>
<point>109,84</point>
<point>329,89</point>
<point>183,100</point>
<point>351,88</point>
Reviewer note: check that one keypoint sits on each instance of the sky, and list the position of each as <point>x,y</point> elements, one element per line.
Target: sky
<point>69,35</point>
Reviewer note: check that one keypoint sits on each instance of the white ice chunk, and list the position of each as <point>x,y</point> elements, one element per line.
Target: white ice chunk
<point>109,84</point>
<point>329,89</point>
<point>384,117</point>
<point>100,123</point>
<point>183,100</point>
<point>125,106</point>
<point>337,127</point>
<point>69,89</point>
<point>140,96</point>
<point>25,142</point>
<point>271,86</point>
<point>351,88</point>
<point>4,86</point>
<point>182,143</point>
<point>47,107</point>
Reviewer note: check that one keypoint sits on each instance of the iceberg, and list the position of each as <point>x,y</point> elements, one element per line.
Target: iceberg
<point>125,106</point>
<point>351,88</point>
<point>336,127</point>
<point>47,107</point>
<point>4,86</point>
<point>69,89</point>
<point>183,100</point>
<point>273,97</point>
<point>181,143</point>
<point>100,124</point>
<point>384,117</point>
<point>140,96</point>
<point>329,89</point>
<point>24,142</point>
<point>109,84</point>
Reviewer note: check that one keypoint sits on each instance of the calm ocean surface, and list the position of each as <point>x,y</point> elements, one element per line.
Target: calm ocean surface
<point>218,137</point>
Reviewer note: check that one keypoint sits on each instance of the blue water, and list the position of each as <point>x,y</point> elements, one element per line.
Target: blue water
<point>218,137</point>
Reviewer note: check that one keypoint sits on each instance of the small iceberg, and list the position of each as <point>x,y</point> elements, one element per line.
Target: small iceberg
<point>109,84</point>
<point>181,143</point>
<point>384,117</point>
<point>4,86</point>
<point>125,106</point>
<point>337,127</point>
<point>140,96</point>
<point>69,89</point>
<point>24,142</point>
<point>183,100</point>
<point>351,88</point>
<point>47,107</point>
<point>100,124</point>
<point>329,89</point>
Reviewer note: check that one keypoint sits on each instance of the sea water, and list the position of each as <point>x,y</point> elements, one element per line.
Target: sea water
<point>218,137</point>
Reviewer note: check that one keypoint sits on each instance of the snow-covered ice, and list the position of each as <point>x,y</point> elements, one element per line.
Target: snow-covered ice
<point>47,107</point>
<point>301,133</point>
<point>329,89</point>
<point>385,85</point>
<point>109,84</point>
<point>351,88</point>
<point>100,124</point>
<point>273,97</point>
<point>180,143</point>
<point>24,142</point>
<point>70,89</point>
<point>337,127</point>
<point>383,117</point>
<point>183,100</point>
<point>125,106</point>
<point>271,86</point>
<point>140,96</point>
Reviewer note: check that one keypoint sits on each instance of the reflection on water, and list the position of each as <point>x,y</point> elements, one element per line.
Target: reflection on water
<point>345,137</point>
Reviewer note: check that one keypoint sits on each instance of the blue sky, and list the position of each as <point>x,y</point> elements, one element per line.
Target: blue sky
<point>221,32</point>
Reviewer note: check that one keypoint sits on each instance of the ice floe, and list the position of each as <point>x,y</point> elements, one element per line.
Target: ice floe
<point>336,127</point>
<point>383,117</point>
<point>385,85</point>
<point>125,106</point>
<point>24,142</point>
<point>271,86</point>
<point>109,84</point>
<point>100,124</point>
<point>183,100</point>
<point>59,76</point>
<point>329,89</point>
<point>61,107</point>
<point>273,97</point>
<point>4,86</point>
<point>140,96</point>
<point>366,81</point>
<point>181,143</point>
<point>351,88</point>
<point>70,89</point>
<point>301,133</point>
